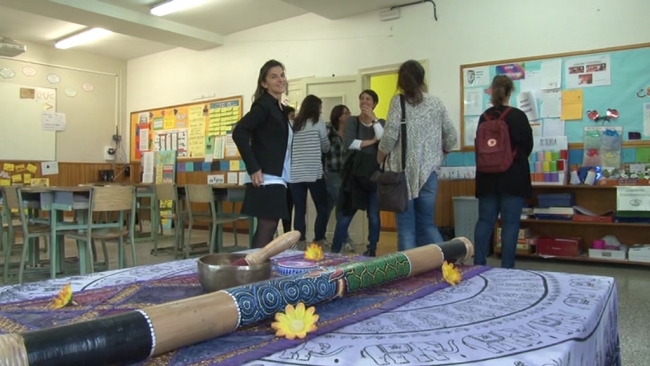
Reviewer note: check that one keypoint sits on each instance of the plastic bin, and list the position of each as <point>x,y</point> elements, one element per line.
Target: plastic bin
<point>556,200</point>
<point>465,216</point>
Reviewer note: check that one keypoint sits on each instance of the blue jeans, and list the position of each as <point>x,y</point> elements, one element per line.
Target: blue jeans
<point>333,181</point>
<point>343,223</point>
<point>489,208</point>
<point>416,226</point>
<point>318,191</point>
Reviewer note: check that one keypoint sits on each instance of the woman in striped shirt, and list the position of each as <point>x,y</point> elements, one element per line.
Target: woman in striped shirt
<point>309,143</point>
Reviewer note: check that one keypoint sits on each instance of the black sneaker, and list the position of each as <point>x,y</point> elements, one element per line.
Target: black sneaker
<point>369,253</point>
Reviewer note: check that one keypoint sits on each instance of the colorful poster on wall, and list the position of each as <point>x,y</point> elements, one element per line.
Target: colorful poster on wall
<point>172,140</point>
<point>223,116</point>
<point>515,71</point>
<point>180,116</point>
<point>586,72</point>
<point>189,128</point>
<point>196,140</point>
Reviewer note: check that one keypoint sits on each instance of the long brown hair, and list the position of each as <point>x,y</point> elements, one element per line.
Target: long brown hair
<point>336,114</point>
<point>501,88</point>
<point>309,110</point>
<point>264,71</point>
<point>410,80</point>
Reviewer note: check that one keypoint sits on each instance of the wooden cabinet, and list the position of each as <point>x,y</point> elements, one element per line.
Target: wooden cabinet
<point>597,199</point>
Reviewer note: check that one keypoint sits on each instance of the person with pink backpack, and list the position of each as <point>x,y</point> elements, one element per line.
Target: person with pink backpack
<point>504,140</point>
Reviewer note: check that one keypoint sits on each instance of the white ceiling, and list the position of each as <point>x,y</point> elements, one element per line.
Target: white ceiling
<point>137,33</point>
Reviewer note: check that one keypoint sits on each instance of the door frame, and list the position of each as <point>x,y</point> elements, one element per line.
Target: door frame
<point>366,73</point>
<point>295,84</point>
<point>328,80</point>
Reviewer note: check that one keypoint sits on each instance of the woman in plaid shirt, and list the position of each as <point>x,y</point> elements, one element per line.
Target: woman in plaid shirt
<point>335,159</point>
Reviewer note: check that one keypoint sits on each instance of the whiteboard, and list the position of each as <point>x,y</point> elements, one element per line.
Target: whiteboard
<point>21,135</point>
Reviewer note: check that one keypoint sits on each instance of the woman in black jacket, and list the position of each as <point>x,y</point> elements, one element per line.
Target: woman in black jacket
<point>504,193</point>
<point>263,137</point>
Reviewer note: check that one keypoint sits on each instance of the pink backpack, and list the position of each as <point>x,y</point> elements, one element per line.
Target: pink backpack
<point>493,151</point>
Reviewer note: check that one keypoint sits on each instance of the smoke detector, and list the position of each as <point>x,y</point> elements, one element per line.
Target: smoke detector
<point>10,48</point>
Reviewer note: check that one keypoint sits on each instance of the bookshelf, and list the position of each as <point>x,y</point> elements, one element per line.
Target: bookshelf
<point>594,198</point>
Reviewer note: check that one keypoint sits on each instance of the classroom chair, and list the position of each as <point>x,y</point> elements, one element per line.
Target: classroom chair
<point>202,194</point>
<point>168,192</point>
<point>28,229</point>
<point>108,200</point>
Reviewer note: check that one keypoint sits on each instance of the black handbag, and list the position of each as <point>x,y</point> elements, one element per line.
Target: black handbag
<point>392,191</point>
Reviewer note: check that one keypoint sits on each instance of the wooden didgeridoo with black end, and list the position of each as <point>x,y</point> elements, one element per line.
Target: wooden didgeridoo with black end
<point>136,335</point>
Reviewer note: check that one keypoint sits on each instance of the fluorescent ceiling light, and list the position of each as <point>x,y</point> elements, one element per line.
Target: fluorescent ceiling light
<point>81,38</point>
<point>173,6</point>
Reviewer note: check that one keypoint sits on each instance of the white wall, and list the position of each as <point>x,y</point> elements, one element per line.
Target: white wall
<point>91,116</point>
<point>467,31</point>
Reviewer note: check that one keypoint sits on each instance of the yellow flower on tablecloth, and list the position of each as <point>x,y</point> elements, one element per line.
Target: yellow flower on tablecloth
<point>295,322</point>
<point>63,298</point>
<point>314,252</point>
<point>451,274</point>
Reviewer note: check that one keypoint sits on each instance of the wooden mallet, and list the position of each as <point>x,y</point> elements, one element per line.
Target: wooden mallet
<point>277,246</point>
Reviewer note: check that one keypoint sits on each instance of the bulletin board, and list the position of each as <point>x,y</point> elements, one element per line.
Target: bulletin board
<point>557,91</point>
<point>195,130</point>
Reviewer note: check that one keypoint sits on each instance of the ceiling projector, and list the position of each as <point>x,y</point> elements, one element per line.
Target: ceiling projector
<point>11,48</point>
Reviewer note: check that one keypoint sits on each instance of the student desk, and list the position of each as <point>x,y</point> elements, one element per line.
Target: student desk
<point>496,317</point>
<point>57,201</point>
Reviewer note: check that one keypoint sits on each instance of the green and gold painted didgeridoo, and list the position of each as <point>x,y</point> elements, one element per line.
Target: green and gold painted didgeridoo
<point>136,335</point>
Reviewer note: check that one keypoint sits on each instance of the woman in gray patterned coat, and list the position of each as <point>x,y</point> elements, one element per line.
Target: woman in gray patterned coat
<point>430,134</point>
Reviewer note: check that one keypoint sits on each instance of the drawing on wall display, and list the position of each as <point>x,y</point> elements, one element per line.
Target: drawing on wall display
<point>29,71</point>
<point>478,76</point>
<point>588,71</point>
<point>7,73</point>
<point>70,92</point>
<point>53,78</point>
<point>88,87</point>
<point>491,319</point>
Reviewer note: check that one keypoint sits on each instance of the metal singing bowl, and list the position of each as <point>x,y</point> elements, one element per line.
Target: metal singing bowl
<point>216,272</point>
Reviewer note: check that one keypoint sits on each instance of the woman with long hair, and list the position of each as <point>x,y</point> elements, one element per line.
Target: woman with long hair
<point>309,144</point>
<point>429,135</point>
<point>263,137</point>
<point>504,193</point>
<point>334,161</point>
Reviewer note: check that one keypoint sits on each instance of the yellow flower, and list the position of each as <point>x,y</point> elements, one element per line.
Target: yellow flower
<point>295,322</point>
<point>314,252</point>
<point>63,298</point>
<point>451,274</point>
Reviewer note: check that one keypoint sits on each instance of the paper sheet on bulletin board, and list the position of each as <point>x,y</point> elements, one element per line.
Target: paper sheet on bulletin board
<point>189,129</point>
<point>565,87</point>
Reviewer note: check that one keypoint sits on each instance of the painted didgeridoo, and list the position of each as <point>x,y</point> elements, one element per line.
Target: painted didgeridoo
<point>137,335</point>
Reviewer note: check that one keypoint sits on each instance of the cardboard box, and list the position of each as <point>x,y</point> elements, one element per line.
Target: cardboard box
<point>608,254</point>
<point>560,247</point>
<point>638,257</point>
<point>639,253</point>
<point>587,218</point>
